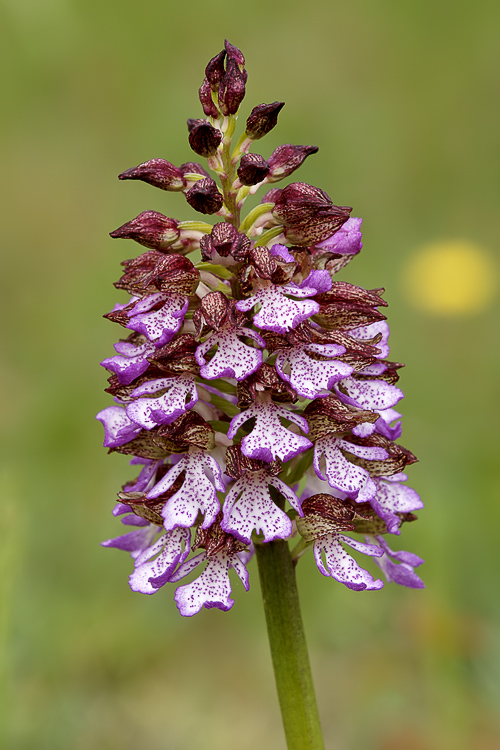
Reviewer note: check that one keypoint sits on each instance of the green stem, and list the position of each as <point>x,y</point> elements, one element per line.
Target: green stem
<point>288,647</point>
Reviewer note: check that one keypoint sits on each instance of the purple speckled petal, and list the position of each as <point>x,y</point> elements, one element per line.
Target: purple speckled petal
<point>341,473</point>
<point>249,506</point>
<point>197,493</point>
<point>269,439</point>
<point>211,589</point>
<point>168,551</point>
<point>287,493</point>
<point>364,333</point>
<point>130,362</point>
<point>150,412</point>
<point>118,428</point>
<point>233,358</point>
<point>401,572</point>
<point>120,509</point>
<point>160,325</point>
<point>371,394</point>
<point>135,541</point>
<point>392,498</point>
<point>278,313</point>
<point>310,377</point>
<point>346,241</point>
<point>167,481</point>
<point>340,565</point>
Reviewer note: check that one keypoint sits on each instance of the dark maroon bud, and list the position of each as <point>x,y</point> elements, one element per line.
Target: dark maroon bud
<point>263,119</point>
<point>192,167</point>
<point>232,89</point>
<point>205,197</point>
<point>235,54</point>
<point>215,70</point>
<point>156,172</point>
<point>205,94</point>
<point>253,169</point>
<point>191,123</point>
<point>286,159</point>
<point>204,139</point>
<point>308,214</point>
<point>225,240</point>
<point>150,229</point>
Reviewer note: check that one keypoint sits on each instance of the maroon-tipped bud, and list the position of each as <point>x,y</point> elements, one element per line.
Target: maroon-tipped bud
<point>253,169</point>
<point>156,172</point>
<point>205,197</point>
<point>215,70</point>
<point>231,89</point>
<point>286,159</point>
<point>204,139</point>
<point>235,54</point>
<point>205,94</point>
<point>150,229</point>
<point>192,167</point>
<point>263,119</point>
<point>225,240</point>
<point>308,214</point>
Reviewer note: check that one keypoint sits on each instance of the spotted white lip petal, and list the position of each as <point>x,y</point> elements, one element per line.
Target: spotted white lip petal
<point>233,358</point>
<point>341,566</point>
<point>164,409</point>
<point>248,507</point>
<point>212,588</point>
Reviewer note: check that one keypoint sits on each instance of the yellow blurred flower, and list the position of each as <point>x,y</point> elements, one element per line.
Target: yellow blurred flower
<point>450,277</point>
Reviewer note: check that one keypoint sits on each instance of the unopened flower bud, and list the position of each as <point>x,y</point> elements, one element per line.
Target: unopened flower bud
<point>215,70</point>
<point>205,94</point>
<point>253,169</point>
<point>272,195</point>
<point>235,54</point>
<point>156,172</point>
<point>150,229</point>
<point>224,240</point>
<point>286,159</point>
<point>204,139</point>
<point>263,119</point>
<point>308,214</point>
<point>205,197</point>
<point>231,89</point>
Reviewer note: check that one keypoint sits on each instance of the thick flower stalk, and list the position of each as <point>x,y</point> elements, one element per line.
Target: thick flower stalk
<point>252,388</point>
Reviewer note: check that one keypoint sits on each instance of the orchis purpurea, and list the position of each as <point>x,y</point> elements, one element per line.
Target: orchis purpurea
<point>251,369</point>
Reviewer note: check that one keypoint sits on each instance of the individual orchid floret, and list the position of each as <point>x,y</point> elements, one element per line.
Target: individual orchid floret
<point>269,439</point>
<point>118,427</point>
<point>277,312</point>
<point>233,358</point>
<point>253,169</point>
<point>248,506</point>
<point>368,394</point>
<point>205,197</point>
<point>286,159</point>
<point>311,377</point>
<point>379,329</point>
<point>204,139</point>
<point>169,551</point>
<point>402,570</point>
<point>224,245</point>
<point>325,518</point>
<point>197,493</point>
<point>176,396</point>
<point>308,214</point>
<point>150,229</point>
<point>262,119</point>
<point>231,91</point>
<point>340,472</point>
<point>383,425</point>
<point>213,587</point>
<point>205,94</point>
<point>157,172</point>
<point>158,317</point>
<point>131,360</point>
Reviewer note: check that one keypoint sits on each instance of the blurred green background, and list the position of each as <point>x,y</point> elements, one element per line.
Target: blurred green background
<point>402,99</point>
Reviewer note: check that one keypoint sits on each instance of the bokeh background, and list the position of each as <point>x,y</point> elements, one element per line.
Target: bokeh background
<point>402,99</point>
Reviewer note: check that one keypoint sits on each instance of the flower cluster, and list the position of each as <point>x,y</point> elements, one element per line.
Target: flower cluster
<point>249,378</point>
